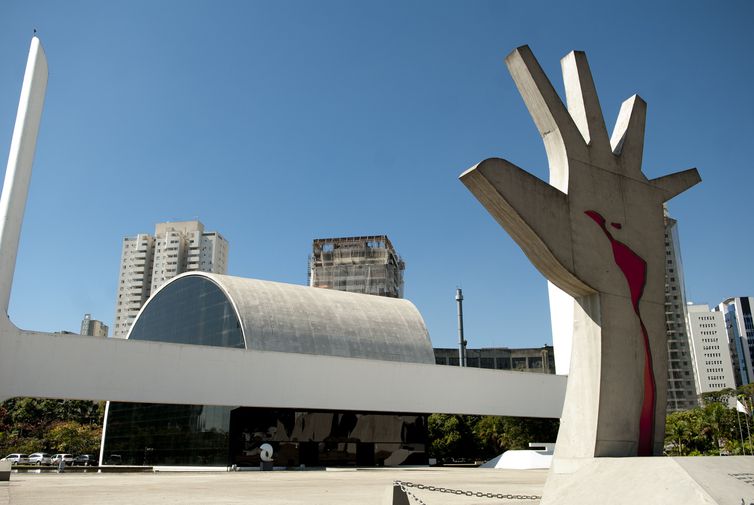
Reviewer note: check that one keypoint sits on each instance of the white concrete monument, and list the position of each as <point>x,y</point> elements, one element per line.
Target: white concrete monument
<point>596,232</point>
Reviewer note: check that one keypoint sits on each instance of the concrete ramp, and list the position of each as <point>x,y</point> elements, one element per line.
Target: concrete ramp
<point>700,480</point>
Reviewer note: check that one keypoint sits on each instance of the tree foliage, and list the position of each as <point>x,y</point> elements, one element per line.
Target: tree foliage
<point>74,437</point>
<point>36,424</point>
<point>451,437</point>
<point>712,429</point>
<point>474,438</point>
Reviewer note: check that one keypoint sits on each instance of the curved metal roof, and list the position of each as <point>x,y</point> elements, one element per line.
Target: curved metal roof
<point>300,319</point>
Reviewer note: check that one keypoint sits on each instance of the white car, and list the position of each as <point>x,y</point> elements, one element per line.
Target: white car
<point>56,458</point>
<point>39,458</point>
<point>17,458</point>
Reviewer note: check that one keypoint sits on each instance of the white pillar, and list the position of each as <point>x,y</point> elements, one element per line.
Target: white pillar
<point>20,159</point>
<point>561,318</point>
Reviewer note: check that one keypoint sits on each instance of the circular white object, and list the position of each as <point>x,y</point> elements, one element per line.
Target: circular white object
<point>266,454</point>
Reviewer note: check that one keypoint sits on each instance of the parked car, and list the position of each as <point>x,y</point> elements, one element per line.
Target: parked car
<point>39,458</point>
<point>17,458</point>
<point>56,458</point>
<point>114,459</point>
<point>86,460</point>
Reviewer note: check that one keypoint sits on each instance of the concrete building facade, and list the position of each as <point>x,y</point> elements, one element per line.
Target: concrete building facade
<point>148,261</point>
<point>536,359</point>
<point>712,365</point>
<point>682,384</point>
<point>368,264</point>
<point>740,330</point>
<point>221,311</point>
<point>93,327</point>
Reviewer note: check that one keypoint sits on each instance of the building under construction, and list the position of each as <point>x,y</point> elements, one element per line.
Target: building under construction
<point>357,264</point>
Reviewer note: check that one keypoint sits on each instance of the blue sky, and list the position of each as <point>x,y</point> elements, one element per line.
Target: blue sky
<point>279,122</point>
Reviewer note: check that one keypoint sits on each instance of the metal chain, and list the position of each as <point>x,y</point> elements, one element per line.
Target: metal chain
<point>499,496</point>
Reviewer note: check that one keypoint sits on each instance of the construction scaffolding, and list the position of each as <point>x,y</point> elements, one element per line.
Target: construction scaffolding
<point>367,265</point>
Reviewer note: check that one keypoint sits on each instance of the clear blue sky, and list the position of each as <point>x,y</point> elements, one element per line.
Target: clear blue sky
<point>279,122</point>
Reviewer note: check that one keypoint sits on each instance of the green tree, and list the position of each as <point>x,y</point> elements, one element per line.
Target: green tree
<point>721,396</point>
<point>519,431</point>
<point>708,430</point>
<point>451,437</point>
<point>474,438</point>
<point>489,434</point>
<point>75,438</point>
<point>26,423</point>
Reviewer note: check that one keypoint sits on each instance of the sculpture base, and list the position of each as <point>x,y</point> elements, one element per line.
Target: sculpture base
<point>719,480</point>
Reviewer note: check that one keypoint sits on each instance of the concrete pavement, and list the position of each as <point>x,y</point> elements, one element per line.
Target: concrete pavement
<point>366,487</point>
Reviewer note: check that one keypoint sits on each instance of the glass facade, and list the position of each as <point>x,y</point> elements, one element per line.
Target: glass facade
<point>327,438</point>
<point>196,435</point>
<point>191,310</point>
<point>194,310</point>
<point>154,434</point>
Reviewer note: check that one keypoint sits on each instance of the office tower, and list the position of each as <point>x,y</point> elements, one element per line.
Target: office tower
<point>712,364</point>
<point>682,391</point>
<point>147,262</point>
<point>357,264</point>
<point>92,327</point>
<point>740,330</point>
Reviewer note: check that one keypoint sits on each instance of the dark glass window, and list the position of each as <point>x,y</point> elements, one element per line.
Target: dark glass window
<point>318,438</point>
<point>195,435</point>
<point>153,434</point>
<point>504,363</point>
<point>519,363</point>
<point>191,310</point>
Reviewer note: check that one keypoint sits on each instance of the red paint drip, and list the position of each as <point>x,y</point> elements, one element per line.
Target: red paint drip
<point>634,269</point>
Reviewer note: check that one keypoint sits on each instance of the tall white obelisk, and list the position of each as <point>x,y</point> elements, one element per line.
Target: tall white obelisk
<point>20,159</point>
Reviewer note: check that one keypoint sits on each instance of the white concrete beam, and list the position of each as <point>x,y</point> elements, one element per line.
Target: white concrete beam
<point>79,367</point>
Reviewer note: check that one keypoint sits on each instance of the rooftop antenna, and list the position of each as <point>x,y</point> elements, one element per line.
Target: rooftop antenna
<point>461,342</point>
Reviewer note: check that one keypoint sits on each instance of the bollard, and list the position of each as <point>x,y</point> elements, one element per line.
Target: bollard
<point>5,467</point>
<point>396,496</point>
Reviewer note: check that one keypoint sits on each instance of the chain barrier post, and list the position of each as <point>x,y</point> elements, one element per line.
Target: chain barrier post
<point>397,495</point>
<point>402,496</point>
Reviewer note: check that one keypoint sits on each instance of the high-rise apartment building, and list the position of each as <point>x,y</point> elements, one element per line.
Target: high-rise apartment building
<point>682,391</point>
<point>147,262</point>
<point>357,264</point>
<point>92,327</point>
<point>709,341</point>
<point>740,330</point>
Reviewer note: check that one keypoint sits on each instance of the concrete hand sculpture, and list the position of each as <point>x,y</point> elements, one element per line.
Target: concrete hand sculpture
<point>597,232</point>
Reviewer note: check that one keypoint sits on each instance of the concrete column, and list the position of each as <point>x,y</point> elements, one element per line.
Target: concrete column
<point>20,159</point>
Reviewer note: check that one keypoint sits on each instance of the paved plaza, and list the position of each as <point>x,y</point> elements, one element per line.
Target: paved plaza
<point>269,488</point>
